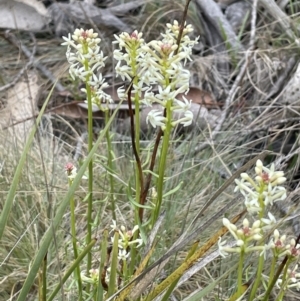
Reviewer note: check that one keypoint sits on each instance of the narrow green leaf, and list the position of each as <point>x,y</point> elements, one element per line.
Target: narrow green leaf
<point>173,190</point>
<point>136,204</point>
<point>12,191</point>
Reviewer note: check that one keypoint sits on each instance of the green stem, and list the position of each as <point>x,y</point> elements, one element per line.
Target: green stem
<point>272,269</point>
<point>90,181</point>
<point>74,243</point>
<point>90,167</point>
<point>240,273</point>
<point>163,160</point>
<point>111,167</point>
<point>275,278</point>
<point>284,282</point>
<point>258,277</point>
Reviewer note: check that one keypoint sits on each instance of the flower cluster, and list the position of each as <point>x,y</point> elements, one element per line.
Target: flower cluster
<point>158,63</point>
<point>71,171</point>
<point>292,280</point>
<point>264,190</point>
<point>85,59</point>
<point>280,248</point>
<point>126,240</point>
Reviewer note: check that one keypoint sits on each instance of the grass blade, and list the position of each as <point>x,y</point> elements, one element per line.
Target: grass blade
<point>12,191</point>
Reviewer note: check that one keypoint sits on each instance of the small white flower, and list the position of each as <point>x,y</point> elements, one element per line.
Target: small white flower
<point>165,94</point>
<point>102,97</point>
<point>221,248</point>
<point>183,106</point>
<point>244,188</point>
<point>138,242</point>
<point>114,226</point>
<point>68,41</point>
<point>81,73</point>
<point>123,255</point>
<point>269,222</point>
<point>188,118</point>
<point>138,89</point>
<point>121,93</point>
<point>123,71</point>
<point>149,98</point>
<point>256,225</point>
<point>95,81</point>
<point>156,119</point>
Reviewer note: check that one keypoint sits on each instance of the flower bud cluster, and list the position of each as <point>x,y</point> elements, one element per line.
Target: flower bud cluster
<point>157,63</point>
<point>242,236</point>
<point>264,190</point>
<point>85,59</point>
<point>280,248</point>
<point>93,277</point>
<point>71,171</point>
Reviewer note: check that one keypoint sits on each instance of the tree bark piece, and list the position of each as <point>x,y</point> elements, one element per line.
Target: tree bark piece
<point>214,14</point>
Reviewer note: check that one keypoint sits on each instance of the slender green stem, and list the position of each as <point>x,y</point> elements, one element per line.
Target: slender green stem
<point>272,269</point>
<point>74,243</point>
<point>258,277</point>
<point>240,273</point>
<point>90,180</point>
<point>90,167</point>
<point>163,160</point>
<point>111,167</point>
<point>284,281</point>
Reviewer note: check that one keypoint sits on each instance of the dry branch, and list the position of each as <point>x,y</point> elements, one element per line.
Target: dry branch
<point>63,13</point>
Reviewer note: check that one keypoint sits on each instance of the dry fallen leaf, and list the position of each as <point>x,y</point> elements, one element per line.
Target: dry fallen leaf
<point>21,106</point>
<point>28,15</point>
<point>202,102</point>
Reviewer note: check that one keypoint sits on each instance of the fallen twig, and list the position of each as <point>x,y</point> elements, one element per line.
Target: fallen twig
<point>22,71</point>
<point>10,37</point>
